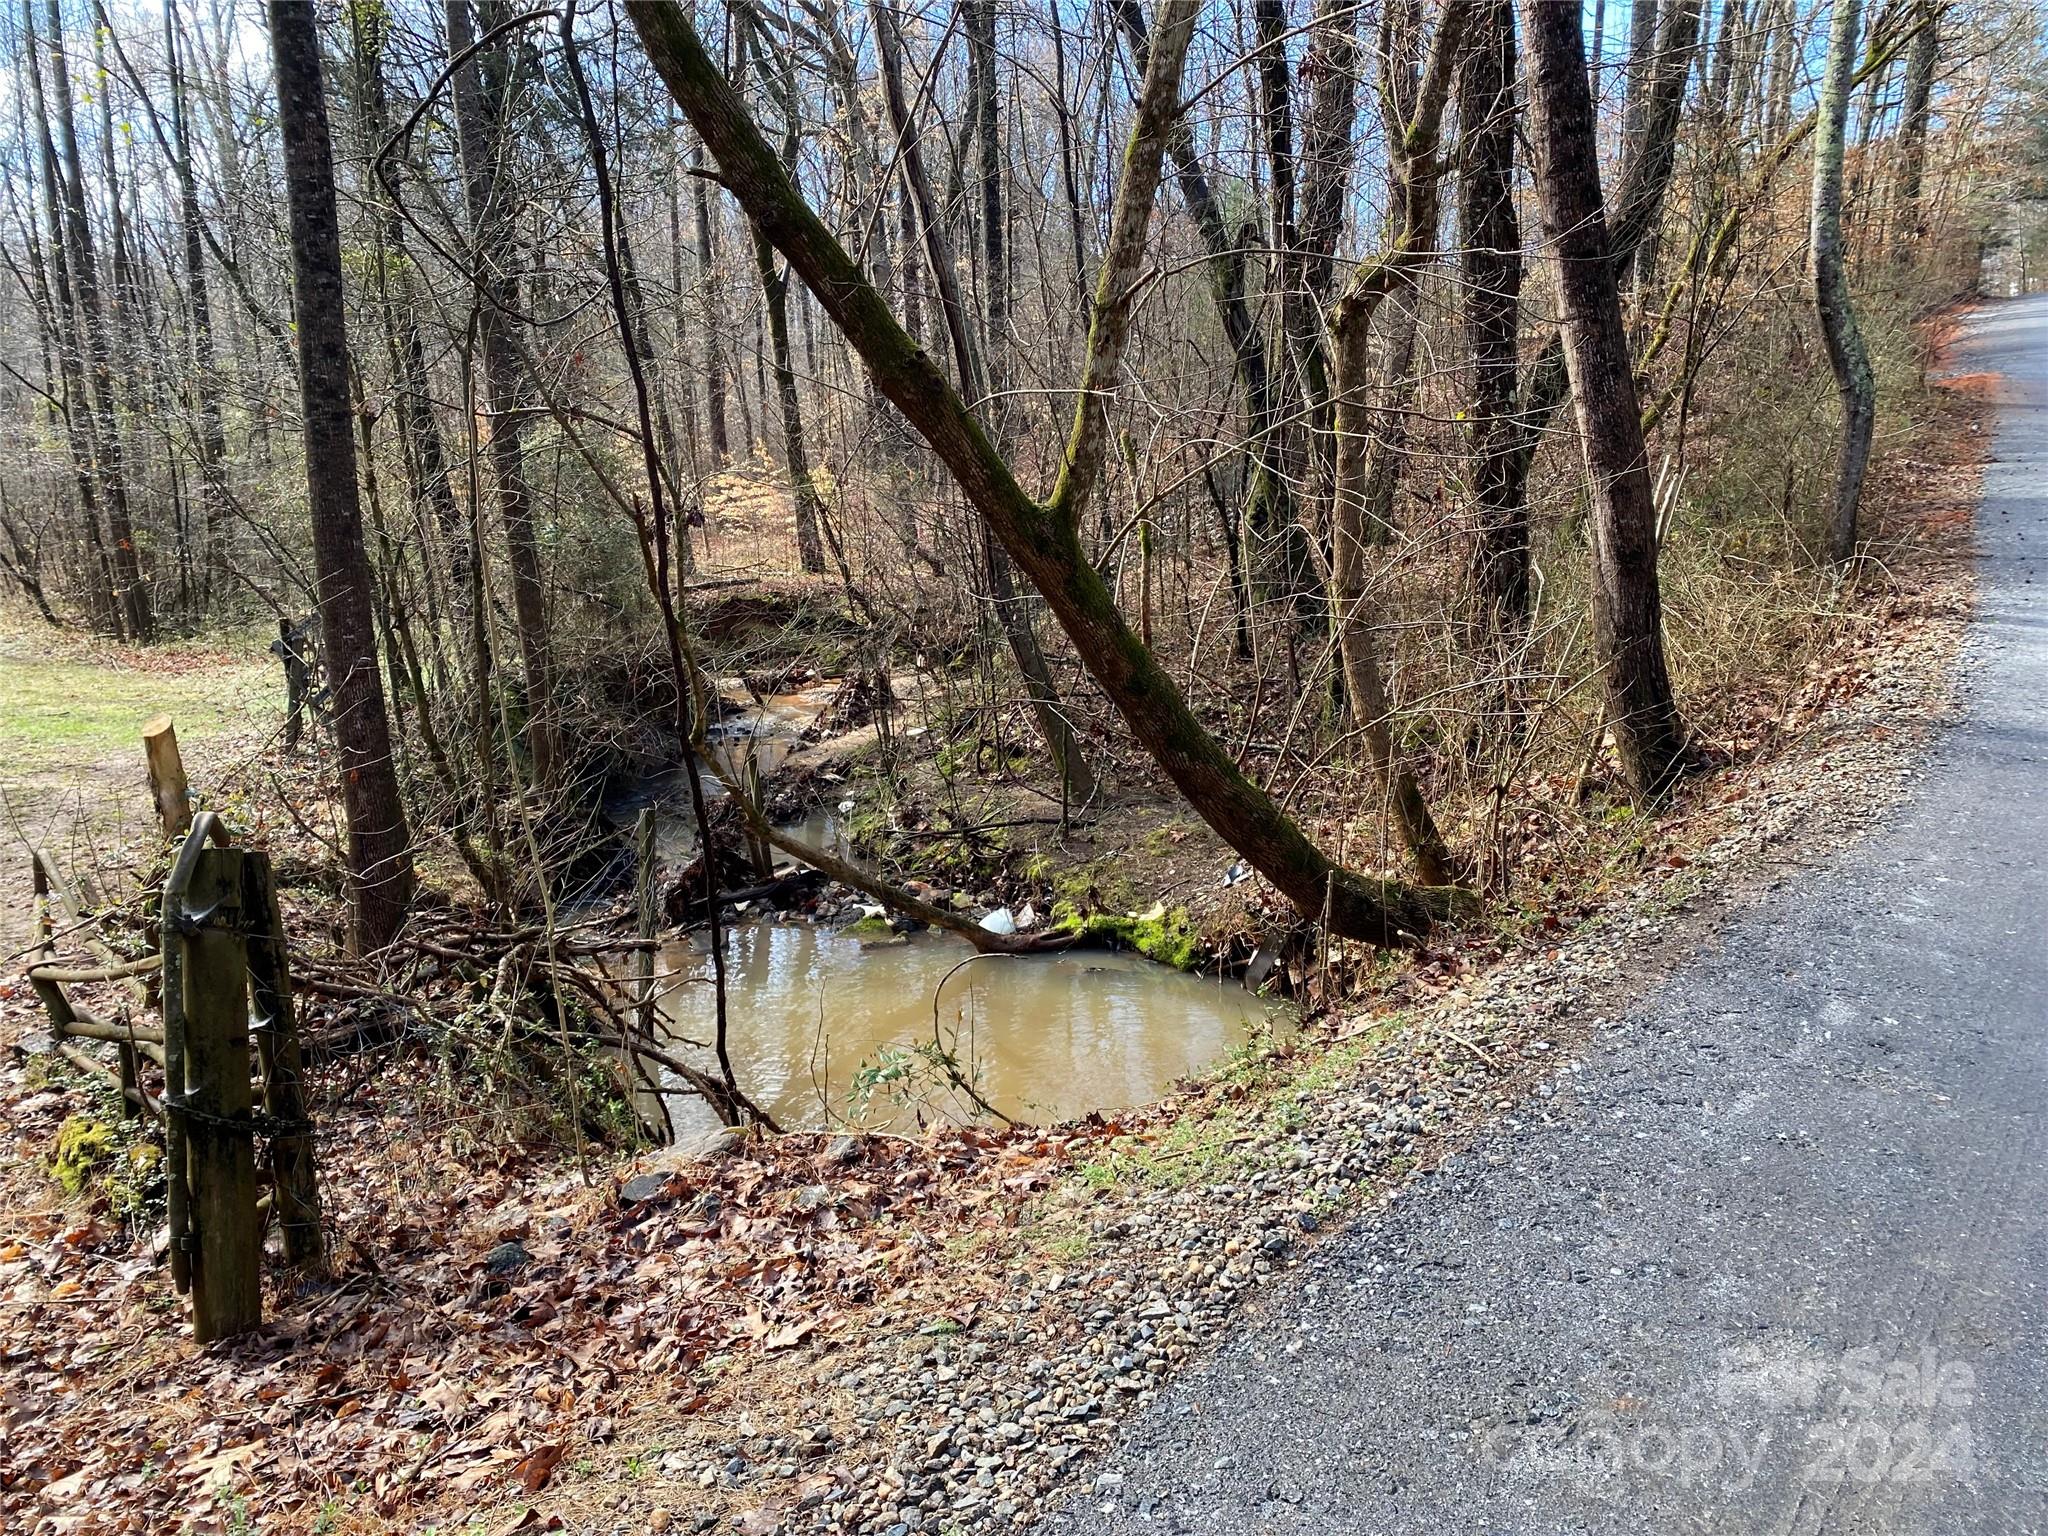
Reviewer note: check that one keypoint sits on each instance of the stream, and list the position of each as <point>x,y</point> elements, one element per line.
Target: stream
<point>826,1028</point>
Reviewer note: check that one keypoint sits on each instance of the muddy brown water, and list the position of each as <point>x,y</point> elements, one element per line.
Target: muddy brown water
<point>826,1031</point>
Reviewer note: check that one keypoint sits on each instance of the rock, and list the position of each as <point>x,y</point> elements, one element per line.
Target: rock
<point>725,1141</point>
<point>705,1208</point>
<point>961,901</point>
<point>506,1259</point>
<point>840,1152</point>
<point>658,1520</point>
<point>644,1187</point>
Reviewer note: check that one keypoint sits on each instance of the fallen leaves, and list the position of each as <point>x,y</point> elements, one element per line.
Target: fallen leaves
<point>538,1465</point>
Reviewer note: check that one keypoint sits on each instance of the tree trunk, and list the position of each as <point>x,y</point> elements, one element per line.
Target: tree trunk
<point>380,849</point>
<point>1490,266</point>
<point>1331,69</point>
<point>1831,300</point>
<point>103,587</point>
<point>708,290</point>
<point>1909,218</point>
<point>1627,610</point>
<point>1413,135</point>
<point>1043,539</point>
<point>110,473</point>
<point>1642,65</point>
<point>481,87</point>
<point>212,440</point>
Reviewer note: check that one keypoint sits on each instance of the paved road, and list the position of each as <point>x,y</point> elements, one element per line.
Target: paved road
<point>1779,1265</point>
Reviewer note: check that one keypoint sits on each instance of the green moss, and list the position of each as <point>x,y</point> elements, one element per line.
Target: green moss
<point>82,1146</point>
<point>1168,937</point>
<point>871,928</point>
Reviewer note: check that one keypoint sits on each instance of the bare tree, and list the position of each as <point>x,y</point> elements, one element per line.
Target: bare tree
<point>379,845</point>
<point>1627,609</point>
<point>1043,538</point>
<point>1414,139</point>
<point>1831,298</point>
<point>483,94</point>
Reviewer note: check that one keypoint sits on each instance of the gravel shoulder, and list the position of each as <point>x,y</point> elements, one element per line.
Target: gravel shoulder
<point>1770,1257</point>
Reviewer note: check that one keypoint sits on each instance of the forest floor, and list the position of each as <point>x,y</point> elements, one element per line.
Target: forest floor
<point>846,1333</point>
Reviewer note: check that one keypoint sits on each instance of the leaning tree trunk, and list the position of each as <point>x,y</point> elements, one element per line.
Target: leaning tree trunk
<point>380,848</point>
<point>1846,353</point>
<point>1627,609</point>
<point>1043,538</point>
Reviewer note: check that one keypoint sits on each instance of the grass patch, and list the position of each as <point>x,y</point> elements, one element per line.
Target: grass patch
<point>67,707</point>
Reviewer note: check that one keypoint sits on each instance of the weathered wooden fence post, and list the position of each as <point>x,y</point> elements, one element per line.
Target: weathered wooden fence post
<point>274,1027</point>
<point>167,783</point>
<point>207,1097</point>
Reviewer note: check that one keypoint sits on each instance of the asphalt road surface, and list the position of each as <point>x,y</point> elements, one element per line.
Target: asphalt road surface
<point>1778,1264</point>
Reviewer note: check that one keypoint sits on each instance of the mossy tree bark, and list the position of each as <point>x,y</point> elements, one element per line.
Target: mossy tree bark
<point>1043,539</point>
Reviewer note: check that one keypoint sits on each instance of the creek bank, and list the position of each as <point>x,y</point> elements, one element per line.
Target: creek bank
<point>971,1400</point>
